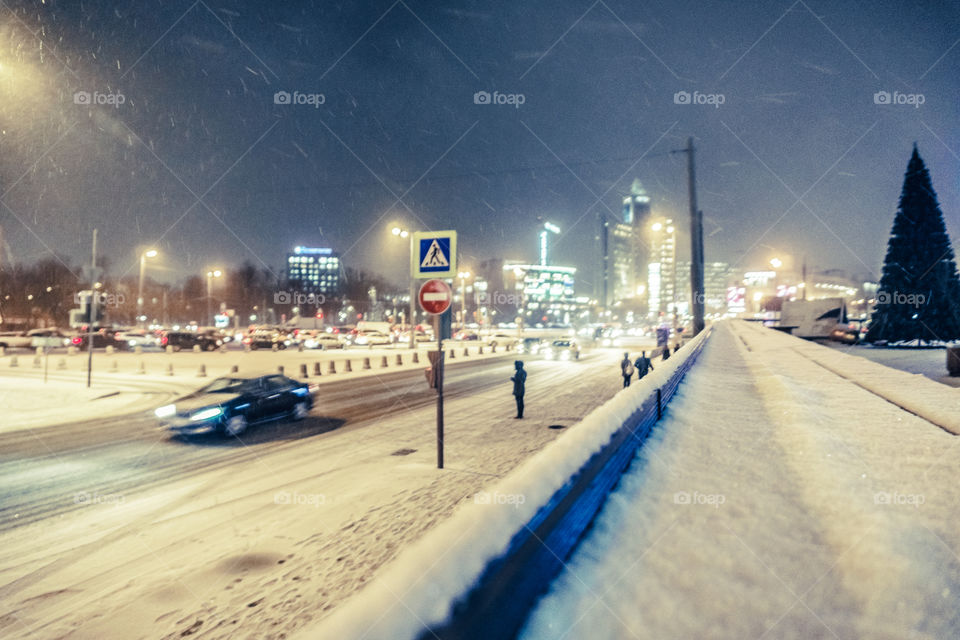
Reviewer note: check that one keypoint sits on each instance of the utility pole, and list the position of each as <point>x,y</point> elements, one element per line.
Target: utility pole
<point>696,243</point>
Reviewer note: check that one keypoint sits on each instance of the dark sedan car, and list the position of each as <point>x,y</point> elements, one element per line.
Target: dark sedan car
<point>178,340</point>
<point>230,405</point>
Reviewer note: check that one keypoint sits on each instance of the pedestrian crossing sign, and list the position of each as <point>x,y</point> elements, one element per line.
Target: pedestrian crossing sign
<point>434,254</point>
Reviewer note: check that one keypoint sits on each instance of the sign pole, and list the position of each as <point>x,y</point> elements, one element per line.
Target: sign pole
<point>439,379</point>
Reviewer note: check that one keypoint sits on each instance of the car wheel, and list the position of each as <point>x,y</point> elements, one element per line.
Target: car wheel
<point>300,411</point>
<point>235,425</point>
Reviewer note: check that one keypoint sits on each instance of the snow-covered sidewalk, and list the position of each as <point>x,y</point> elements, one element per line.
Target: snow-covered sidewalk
<point>776,500</point>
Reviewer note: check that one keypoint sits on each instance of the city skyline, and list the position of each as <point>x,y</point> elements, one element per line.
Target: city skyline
<point>226,134</point>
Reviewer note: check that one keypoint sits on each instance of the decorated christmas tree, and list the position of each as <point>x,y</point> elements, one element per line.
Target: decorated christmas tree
<point>919,294</point>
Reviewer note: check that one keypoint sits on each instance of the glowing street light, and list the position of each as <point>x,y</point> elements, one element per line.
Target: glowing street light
<point>150,253</point>
<point>411,319</point>
<point>215,273</point>
<point>463,275</point>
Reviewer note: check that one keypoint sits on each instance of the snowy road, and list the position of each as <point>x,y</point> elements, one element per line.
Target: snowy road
<point>776,500</point>
<point>113,529</point>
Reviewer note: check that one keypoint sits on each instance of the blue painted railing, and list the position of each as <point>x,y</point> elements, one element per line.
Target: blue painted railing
<point>500,601</point>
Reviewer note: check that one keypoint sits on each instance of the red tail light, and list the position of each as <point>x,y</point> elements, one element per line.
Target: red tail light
<point>163,341</point>
<point>77,340</point>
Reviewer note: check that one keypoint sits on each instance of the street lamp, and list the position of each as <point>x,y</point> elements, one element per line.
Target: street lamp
<point>411,319</point>
<point>463,275</point>
<point>216,273</point>
<point>152,253</point>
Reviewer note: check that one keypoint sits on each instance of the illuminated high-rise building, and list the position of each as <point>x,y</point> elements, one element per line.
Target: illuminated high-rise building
<point>314,269</point>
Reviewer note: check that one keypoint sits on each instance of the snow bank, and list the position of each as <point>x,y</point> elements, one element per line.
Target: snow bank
<point>914,392</point>
<point>419,588</point>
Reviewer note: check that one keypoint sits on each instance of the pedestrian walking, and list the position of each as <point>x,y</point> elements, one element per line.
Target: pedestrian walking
<point>626,369</point>
<point>666,351</point>
<point>519,380</point>
<point>643,365</point>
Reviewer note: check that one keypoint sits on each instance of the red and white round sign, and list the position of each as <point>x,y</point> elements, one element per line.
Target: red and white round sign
<point>435,296</point>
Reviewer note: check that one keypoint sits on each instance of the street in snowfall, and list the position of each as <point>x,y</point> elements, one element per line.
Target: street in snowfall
<point>412,320</point>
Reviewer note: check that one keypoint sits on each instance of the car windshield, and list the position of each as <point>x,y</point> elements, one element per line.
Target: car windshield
<point>231,385</point>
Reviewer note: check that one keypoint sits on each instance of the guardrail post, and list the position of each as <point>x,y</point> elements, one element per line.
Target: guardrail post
<point>316,368</point>
<point>203,371</point>
<point>332,367</point>
<point>659,405</point>
<point>303,370</point>
<point>366,363</point>
<point>170,369</point>
<point>383,362</point>
<point>280,369</point>
<point>347,368</point>
<point>399,360</point>
<point>416,358</point>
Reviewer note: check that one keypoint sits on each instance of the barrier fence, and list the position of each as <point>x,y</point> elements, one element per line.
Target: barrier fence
<point>500,601</point>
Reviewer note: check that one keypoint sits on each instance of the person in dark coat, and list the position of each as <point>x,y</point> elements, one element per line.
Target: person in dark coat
<point>643,365</point>
<point>519,385</point>
<point>626,369</point>
<point>666,351</point>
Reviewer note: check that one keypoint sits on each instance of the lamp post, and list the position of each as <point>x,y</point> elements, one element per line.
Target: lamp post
<point>152,253</point>
<point>216,273</point>
<point>411,319</point>
<point>463,275</point>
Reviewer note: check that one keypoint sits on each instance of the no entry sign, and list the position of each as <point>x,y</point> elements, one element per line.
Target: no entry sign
<point>435,296</point>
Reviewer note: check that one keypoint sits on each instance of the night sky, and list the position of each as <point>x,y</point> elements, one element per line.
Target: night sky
<point>199,162</point>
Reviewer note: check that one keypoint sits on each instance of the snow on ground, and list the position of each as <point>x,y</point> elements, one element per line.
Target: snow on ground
<point>422,585</point>
<point>26,401</point>
<point>127,382</point>
<point>776,500</point>
<point>929,362</point>
<point>261,550</point>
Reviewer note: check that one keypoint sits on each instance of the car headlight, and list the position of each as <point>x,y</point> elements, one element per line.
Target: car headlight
<point>165,411</point>
<point>206,414</point>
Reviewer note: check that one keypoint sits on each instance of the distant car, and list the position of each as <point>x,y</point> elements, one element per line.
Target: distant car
<point>179,340</point>
<point>371,338</point>
<point>267,339</point>
<point>137,338</point>
<point>230,405</point>
<point>529,345</point>
<point>319,340</point>
<point>466,335</point>
<point>846,333</point>
<point>562,350</point>
<point>500,339</point>
<point>418,336</point>
<point>48,337</point>
<point>102,338</point>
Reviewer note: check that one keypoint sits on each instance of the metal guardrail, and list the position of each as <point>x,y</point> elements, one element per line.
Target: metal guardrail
<point>502,598</point>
